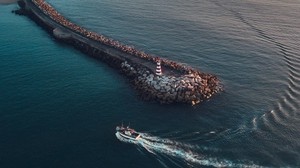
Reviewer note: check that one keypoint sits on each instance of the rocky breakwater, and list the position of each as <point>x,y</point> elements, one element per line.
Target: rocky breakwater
<point>191,88</point>
<point>178,83</point>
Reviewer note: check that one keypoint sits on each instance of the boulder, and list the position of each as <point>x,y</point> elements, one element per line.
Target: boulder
<point>157,87</point>
<point>168,88</point>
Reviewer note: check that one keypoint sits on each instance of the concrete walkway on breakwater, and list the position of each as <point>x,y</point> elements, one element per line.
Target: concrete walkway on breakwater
<point>178,84</point>
<point>96,44</point>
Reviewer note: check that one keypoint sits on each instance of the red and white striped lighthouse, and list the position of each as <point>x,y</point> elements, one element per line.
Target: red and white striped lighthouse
<point>158,69</point>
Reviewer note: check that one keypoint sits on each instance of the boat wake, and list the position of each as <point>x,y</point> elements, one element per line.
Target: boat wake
<point>156,145</point>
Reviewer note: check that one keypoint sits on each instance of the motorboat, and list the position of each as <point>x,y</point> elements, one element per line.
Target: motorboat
<point>128,133</point>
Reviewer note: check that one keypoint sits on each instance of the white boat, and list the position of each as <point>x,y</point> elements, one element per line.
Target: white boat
<point>128,133</point>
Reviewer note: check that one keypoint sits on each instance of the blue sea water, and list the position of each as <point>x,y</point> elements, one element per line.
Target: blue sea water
<point>59,107</point>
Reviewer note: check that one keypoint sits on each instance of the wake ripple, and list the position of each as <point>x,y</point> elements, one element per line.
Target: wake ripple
<point>288,105</point>
<point>156,145</point>
<point>286,109</point>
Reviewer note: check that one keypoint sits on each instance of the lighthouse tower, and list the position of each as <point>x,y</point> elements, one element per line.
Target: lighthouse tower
<point>158,69</point>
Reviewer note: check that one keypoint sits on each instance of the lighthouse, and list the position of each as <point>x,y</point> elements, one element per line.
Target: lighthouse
<point>158,69</point>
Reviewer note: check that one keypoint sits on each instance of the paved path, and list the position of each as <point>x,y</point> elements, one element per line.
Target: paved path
<point>96,44</point>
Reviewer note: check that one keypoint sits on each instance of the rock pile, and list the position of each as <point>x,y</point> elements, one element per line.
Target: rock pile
<point>191,88</point>
<point>47,9</point>
<point>188,86</point>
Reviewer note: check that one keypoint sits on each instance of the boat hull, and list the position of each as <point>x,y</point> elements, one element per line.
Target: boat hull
<point>127,133</point>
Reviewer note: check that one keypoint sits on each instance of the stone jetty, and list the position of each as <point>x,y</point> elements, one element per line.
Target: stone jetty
<point>155,78</point>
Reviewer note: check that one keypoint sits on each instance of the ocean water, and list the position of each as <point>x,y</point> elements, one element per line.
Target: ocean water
<point>59,107</point>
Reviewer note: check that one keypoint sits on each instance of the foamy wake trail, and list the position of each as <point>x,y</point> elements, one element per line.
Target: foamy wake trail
<point>165,146</point>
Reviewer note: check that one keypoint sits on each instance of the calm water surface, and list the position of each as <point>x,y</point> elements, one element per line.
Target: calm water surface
<point>59,108</point>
